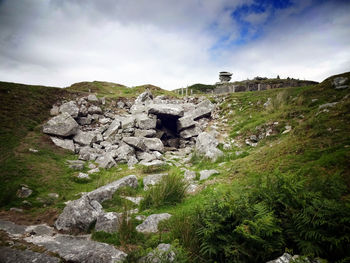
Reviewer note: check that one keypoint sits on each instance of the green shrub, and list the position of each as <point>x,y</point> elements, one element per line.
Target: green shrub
<point>170,190</point>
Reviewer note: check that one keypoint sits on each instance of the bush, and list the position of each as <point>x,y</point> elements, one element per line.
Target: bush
<point>170,190</point>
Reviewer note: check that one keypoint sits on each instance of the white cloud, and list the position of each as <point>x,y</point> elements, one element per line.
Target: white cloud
<point>165,43</point>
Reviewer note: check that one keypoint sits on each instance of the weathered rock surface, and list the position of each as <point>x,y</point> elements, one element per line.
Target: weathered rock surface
<point>136,142</point>
<point>205,174</point>
<point>162,253</point>
<point>85,138</point>
<point>150,225</point>
<point>71,108</point>
<point>166,109</point>
<point>24,192</point>
<point>76,164</point>
<point>285,258</point>
<point>124,153</point>
<point>152,179</point>
<point>153,144</point>
<point>143,121</point>
<point>106,161</point>
<point>63,143</point>
<point>206,145</point>
<point>112,129</point>
<point>108,222</point>
<point>61,125</point>
<point>10,255</point>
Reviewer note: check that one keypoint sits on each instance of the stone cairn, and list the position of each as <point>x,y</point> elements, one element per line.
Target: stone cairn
<point>225,76</point>
<point>131,133</point>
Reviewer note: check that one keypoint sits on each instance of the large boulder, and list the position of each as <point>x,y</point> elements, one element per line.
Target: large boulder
<point>143,121</point>
<point>71,108</point>
<point>85,138</point>
<point>191,132</point>
<point>112,129</point>
<point>94,110</point>
<point>63,143</point>
<point>206,145</point>
<point>61,125</point>
<point>79,214</point>
<point>152,179</point>
<point>185,122</point>
<point>10,255</point>
<point>153,144</point>
<point>108,222</point>
<point>144,98</point>
<point>88,154</point>
<point>124,153</point>
<point>136,142</point>
<point>166,109</point>
<point>150,225</point>
<point>106,161</point>
<point>205,174</point>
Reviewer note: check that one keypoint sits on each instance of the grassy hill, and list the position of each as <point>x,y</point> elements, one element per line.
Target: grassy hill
<point>290,192</point>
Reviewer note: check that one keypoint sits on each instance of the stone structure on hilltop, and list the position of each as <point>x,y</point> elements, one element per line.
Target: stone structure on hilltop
<point>257,84</point>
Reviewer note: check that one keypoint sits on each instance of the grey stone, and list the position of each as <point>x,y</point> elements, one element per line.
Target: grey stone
<point>123,153</point>
<point>83,111</point>
<point>83,176</point>
<point>106,161</point>
<point>79,214</point>
<point>203,109</point>
<point>24,192</point>
<point>268,102</point>
<point>143,121</point>
<point>206,145</point>
<point>205,174</point>
<point>71,108</point>
<point>136,142</point>
<point>53,195</point>
<point>191,132</point>
<point>127,122</point>
<point>88,154</point>
<point>63,143</point>
<point>92,98</point>
<point>136,200</point>
<point>85,138</point>
<point>55,110</point>
<point>12,229</point>
<point>339,82</point>
<point>10,255</point>
<point>166,109</point>
<point>61,125</point>
<point>145,156</point>
<point>152,164</point>
<point>185,122</point>
<point>93,171</point>
<point>153,144</point>
<point>15,209</point>
<point>85,120</point>
<point>144,133</point>
<point>285,258</point>
<point>327,105</point>
<point>132,161</point>
<point>108,222</point>
<point>192,188</point>
<point>78,248</point>
<point>104,120</point>
<point>76,164</point>
<point>175,142</point>
<point>106,192</point>
<point>162,253</point>
<point>138,108</point>
<point>120,104</point>
<point>112,129</point>
<point>190,175</point>
<point>152,179</point>
<point>144,98</point>
<point>150,225</point>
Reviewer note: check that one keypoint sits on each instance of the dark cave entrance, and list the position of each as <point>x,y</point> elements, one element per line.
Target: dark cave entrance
<point>168,132</point>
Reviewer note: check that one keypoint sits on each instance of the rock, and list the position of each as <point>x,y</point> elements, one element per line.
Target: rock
<point>55,110</point>
<point>53,195</point>
<point>33,150</point>
<point>166,109</point>
<point>185,122</point>
<point>63,143</point>
<point>12,229</point>
<point>83,111</point>
<point>88,154</point>
<point>137,143</point>
<point>152,164</point>
<point>203,109</point>
<point>152,179</point>
<point>94,110</point>
<point>104,120</point>
<point>191,132</point>
<point>93,171</point>
<point>71,108</point>
<point>108,222</point>
<point>85,138</point>
<point>144,133</point>
<point>106,161</point>
<point>132,161</point>
<point>15,209</point>
<point>92,98</point>
<point>340,83</point>
<point>79,214</point>
<point>192,188</point>
<point>150,225</point>
<point>153,144</point>
<point>327,105</point>
<point>10,255</point>
<point>268,102</point>
<point>162,253</point>
<point>144,98</point>
<point>127,122</point>
<point>287,129</point>
<point>78,248</point>
<point>123,153</point>
<point>144,122</point>
<point>83,176</point>
<point>205,174</point>
<point>206,145</point>
<point>85,120</point>
<point>112,129</point>
<point>189,175</point>
<point>61,125</point>
<point>76,164</point>
<point>120,104</point>
<point>250,143</point>
<point>24,192</point>
<point>106,192</point>
<point>145,156</point>
<point>136,200</point>
<point>91,166</point>
<point>285,258</point>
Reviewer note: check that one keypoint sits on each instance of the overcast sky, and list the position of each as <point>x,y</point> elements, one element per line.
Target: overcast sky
<point>171,43</point>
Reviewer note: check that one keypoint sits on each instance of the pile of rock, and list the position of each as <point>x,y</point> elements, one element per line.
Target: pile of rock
<point>140,135</point>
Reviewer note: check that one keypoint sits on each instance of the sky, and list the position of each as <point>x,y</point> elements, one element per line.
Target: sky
<point>171,43</point>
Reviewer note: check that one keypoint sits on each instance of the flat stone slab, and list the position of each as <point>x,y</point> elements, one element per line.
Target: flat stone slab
<point>61,125</point>
<point>205,174</point>
<point>150,225</point>
<point>12,229</point>
<point>10,255</point>
<point>166,109</point>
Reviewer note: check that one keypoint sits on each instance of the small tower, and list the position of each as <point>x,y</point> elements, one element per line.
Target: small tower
<point>225,76</point>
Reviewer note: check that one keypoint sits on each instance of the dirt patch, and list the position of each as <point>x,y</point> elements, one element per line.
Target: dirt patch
<point>48,217</point>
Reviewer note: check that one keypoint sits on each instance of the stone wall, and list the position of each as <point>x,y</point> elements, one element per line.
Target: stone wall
<point>253,85</point>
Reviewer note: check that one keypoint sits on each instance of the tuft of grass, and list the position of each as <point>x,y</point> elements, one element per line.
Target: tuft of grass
<point>170,191</point>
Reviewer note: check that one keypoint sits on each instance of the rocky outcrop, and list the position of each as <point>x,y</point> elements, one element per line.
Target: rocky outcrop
<point>80,214</point>
<point>63,143</point>
<point>61,125</point>
<point>10,255</point>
